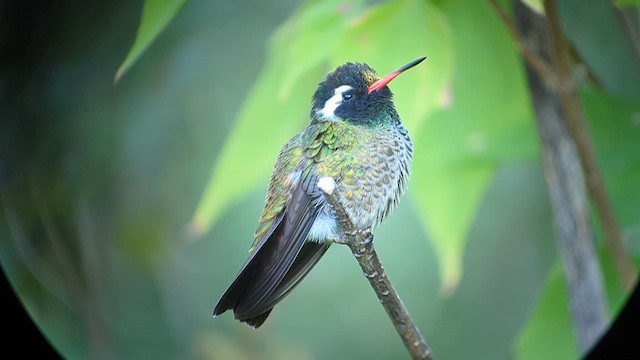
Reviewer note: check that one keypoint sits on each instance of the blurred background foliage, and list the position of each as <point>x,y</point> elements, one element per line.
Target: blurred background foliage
<point>118,237</point>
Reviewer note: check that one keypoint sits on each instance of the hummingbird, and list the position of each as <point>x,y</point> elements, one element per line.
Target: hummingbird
<point>356,137</point>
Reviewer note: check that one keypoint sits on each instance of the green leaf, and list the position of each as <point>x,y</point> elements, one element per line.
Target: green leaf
<point>390,35</point>
<point>487,121</point>
<point>549,332</point>
<point>590,24</point>
<point>318,35</point>
<point>623,3</point>
<point>277,107</point>
<point>614,123</point>
<point>156,15</point>
<point>447,187</point>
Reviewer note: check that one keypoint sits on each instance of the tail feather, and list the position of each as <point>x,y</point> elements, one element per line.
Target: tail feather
<point>243,285</point>
<point>277,264</point>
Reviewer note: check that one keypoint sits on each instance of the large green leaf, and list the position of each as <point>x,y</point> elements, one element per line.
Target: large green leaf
<point>277,106</point>
<point>487,121</point>
<point>549,333</point>
<point>318,35</point>
<point>156,15</point>
<point>591,24</point>
<point>624,3</point>
<point>615,124</point>
<point>390,35</point>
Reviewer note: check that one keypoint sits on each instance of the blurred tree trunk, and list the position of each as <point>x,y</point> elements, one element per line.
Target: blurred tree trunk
<point>566,184</point>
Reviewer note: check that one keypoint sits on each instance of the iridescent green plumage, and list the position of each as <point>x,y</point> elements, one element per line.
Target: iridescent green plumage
<point>302,153</point>
<point>355,137</point>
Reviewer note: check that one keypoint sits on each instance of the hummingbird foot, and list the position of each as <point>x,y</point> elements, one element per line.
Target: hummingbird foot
<point>364,235</point>
<point>337,239</point>
<point>359,232</point>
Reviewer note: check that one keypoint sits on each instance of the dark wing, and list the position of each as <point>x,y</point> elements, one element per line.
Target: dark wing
<point>278,262</point>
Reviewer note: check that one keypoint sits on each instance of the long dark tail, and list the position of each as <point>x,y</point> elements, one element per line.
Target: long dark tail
<point>253,293</point>
<point>279,261</point>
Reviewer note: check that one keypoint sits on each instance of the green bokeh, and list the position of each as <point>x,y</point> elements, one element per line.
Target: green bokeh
<point>99,183</point>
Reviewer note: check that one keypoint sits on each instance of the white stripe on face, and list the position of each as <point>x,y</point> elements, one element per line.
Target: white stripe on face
<point>330,106</point>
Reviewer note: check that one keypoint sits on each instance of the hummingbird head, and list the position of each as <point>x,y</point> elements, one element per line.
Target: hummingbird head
<point>354,92</point>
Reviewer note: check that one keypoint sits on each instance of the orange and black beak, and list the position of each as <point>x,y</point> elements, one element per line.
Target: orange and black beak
<point>379,84</point>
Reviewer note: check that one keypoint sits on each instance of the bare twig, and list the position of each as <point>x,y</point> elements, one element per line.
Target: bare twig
<point>541,67</point>
<point>629,21</point>
<point>360,241</point>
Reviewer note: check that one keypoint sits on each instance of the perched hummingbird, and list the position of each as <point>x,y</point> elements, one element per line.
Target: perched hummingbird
<point>355,137</point>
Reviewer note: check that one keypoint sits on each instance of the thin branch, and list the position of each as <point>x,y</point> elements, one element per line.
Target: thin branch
<point>629,21</point>
<point>537,63</point>
<point>572,110</point>
<point>360,241</point>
